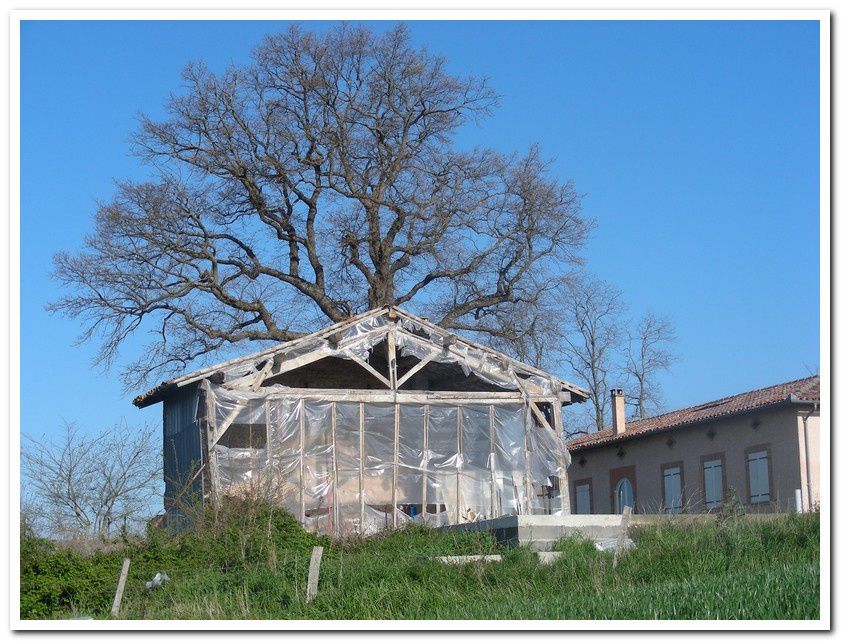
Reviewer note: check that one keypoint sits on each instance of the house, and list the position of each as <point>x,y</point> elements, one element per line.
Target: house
<point>762,447</point>
<point>367,424</point>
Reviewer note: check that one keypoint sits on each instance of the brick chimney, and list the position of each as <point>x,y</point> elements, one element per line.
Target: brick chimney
<point>617,398</point>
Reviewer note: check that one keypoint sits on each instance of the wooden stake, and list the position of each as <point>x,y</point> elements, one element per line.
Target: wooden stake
<point>620,541</point>
<point>315,568</point>
<point>121,585</point>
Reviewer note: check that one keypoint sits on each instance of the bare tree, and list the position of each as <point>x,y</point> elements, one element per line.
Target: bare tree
<point>316,182</point>
<point>91,485</point>
<point>591,337</point>
<point>648,352</point>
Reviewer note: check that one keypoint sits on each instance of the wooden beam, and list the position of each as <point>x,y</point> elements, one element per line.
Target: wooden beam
<point>425,460</point>
<point>367,366</point>
<point>361,467</point>
<point>186,379</point>
<point>458,464</point>
<point>229,420</point>
<point>492,437</point>
<point>418,367</point>
<point>261,375</point>
<point>392,362</point>
<point>527,458</point>
<point>394,464</point>
<point>335,471</point>
<point>301,463</point>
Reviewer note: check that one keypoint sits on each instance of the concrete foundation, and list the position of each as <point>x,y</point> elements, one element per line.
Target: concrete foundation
<point>539,531</point>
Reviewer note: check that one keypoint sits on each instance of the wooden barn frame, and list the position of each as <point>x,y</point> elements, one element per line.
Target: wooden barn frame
<point>370,423</point>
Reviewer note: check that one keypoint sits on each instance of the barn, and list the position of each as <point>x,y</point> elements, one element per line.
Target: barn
<point>367,424</point>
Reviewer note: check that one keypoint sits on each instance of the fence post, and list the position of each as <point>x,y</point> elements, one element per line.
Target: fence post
<point>620,540</point>
<point>121,585</point>
<point>315,568</point>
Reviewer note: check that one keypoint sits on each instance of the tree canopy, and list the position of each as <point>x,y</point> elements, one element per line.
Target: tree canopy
<point>319,180</point>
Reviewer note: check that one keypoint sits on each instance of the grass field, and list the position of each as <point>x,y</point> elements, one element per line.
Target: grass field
<point>254,566</point>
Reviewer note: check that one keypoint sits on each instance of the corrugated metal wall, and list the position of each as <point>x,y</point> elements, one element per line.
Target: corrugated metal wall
<point>182,445</point>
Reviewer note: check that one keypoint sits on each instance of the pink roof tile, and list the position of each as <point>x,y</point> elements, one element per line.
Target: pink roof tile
<point>805,389</point>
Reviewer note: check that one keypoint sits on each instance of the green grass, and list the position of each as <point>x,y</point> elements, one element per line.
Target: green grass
<point>254,567</point>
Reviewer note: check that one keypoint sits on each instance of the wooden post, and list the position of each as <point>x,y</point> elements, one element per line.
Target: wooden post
<point>563,475</point>
<point>361,467</point>
<point>121,585</point>
<point>315,568</point>
<point>425,461</point>
<point>492,458</point>
<point>335,473</point>
<point>458,464</point>
<point>620,541</point>
<point>527,509</point>
<point>301,465</point>
<point>394,466</point>
<point>392,361</point>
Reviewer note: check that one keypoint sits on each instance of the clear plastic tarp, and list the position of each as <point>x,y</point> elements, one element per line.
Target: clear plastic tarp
<point>354,467</point>
<point>353,462</point>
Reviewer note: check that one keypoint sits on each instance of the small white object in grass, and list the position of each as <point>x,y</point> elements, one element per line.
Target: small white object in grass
<point>469,558</point>
<point>158,580</point>
<point>610,544</point>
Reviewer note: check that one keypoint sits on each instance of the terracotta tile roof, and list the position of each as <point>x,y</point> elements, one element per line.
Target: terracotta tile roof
<point>804,389</point>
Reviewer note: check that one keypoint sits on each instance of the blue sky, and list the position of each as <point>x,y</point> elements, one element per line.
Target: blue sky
<point>696,144</point>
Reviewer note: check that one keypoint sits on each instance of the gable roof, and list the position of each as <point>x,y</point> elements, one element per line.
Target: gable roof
<point>352,335</point>
<point>801,390</point>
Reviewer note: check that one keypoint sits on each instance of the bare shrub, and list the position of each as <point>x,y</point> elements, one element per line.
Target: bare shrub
<point>81,486</point>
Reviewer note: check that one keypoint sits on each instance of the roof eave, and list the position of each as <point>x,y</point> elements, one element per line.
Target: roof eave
<point>633,436</point>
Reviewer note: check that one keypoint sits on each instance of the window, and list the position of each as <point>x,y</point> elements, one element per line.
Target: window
<point>583,494</point>
<point>673,488</point>
<point>712,467</point>
<point>623,482</point>
<point>624,493</point>
<point>759,476</point>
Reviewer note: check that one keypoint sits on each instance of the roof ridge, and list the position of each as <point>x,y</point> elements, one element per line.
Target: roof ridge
<point>723,399</point>
<point>711,410</point>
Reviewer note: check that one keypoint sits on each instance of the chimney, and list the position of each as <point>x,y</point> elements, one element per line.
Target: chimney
<point>617,398</point>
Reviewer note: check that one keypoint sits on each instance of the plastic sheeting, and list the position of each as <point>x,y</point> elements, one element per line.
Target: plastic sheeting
<point>355,462</point>
<point>349,467</point>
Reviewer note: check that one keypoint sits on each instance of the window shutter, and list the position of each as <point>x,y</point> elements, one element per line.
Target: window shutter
<point>760,490</point>
<point>671,490</point>
<point>713,490</point>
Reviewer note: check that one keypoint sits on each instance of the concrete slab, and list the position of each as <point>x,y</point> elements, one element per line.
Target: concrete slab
<point>540,531</point>
<point>470,558</point>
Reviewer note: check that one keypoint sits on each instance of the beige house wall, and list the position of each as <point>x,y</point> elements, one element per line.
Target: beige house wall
<point>808,435</point>
<point>780,429</point>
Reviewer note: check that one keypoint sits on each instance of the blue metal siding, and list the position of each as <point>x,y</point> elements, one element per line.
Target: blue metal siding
<point>182,445</point>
